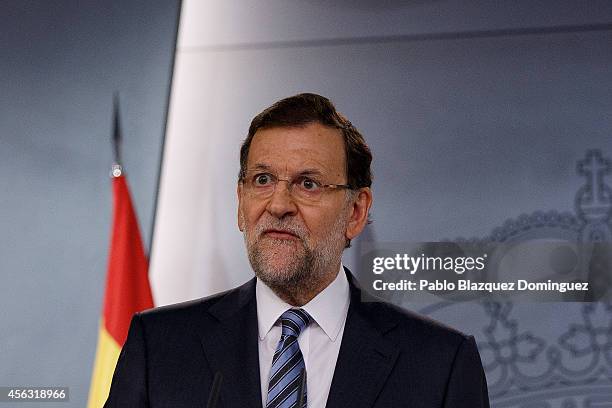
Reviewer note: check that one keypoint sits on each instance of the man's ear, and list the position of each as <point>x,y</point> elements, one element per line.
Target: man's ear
<point>240,213</point>
<point>359,211</point>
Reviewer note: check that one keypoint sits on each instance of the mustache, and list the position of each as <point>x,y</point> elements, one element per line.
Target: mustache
<point>287,226</point>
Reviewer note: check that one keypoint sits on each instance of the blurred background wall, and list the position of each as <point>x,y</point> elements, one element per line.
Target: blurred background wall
<point>477,114</point>
<point>61,63</point>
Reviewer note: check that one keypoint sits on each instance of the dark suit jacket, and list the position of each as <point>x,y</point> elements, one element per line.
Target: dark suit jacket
<point>388,357</point>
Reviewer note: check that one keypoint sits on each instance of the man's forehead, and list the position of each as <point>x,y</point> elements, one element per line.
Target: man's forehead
<point>312,146</point>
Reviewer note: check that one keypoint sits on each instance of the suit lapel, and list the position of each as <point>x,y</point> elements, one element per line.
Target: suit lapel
<point>365,359</point>
<point>231,347</point>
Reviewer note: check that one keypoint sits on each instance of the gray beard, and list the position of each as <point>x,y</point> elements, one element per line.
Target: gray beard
<point>308,268</point>
<point>302,274</point>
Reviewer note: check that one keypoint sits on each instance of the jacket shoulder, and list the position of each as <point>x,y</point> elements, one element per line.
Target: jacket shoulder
<point>184,313</point>
<point>421,330</point>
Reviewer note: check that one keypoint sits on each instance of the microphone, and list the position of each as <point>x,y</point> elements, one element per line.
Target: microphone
<point>302,389</point>
<point>213,397</point>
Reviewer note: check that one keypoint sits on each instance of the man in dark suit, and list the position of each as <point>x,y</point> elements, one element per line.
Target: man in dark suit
<point>302,333</point>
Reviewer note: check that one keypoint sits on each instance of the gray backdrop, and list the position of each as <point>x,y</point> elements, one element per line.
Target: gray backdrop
<point>61,62</point>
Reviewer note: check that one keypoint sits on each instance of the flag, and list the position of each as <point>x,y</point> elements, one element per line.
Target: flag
<point>127,289</point>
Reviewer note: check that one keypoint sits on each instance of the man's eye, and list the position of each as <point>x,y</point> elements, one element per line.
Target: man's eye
<point>309,184</point>
<point>262,179</point>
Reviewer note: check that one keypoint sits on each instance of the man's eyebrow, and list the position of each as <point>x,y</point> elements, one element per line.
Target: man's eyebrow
<point>310,172</point>
<point>305,172</point>
<point>259,166</point>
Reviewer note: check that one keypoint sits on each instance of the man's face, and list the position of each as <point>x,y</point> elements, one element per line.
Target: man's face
<point>293,242</point>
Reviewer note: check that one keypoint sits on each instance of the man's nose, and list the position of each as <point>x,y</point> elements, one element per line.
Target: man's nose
<point>281,202</point>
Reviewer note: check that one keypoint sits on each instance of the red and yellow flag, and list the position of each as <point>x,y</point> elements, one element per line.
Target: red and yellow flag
<point>127,290</point>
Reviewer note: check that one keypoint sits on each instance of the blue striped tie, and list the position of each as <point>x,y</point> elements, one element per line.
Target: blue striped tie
<point>288,363</point>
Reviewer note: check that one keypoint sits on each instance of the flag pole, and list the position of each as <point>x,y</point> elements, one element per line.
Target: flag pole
<point>116,169</point>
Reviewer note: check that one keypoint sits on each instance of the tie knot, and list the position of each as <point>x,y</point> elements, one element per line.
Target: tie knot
<point>293,321</point>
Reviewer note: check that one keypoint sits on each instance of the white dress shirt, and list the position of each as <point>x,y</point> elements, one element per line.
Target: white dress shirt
<point>319,342</point>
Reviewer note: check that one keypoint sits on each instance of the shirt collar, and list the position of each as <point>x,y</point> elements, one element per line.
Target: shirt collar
<point>328,308</point>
